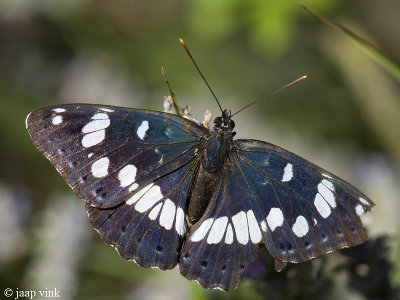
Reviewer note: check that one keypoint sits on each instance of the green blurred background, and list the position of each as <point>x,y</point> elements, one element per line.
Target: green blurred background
<point>345,117</point>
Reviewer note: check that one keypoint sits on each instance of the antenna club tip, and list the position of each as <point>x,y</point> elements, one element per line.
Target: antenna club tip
<point>182,41</point>
<point>298,80</point>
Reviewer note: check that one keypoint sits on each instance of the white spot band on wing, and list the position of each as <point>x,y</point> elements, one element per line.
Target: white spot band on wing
<point>93,138</point>
<point>217,230</point>
<point>241,228</point>
<point>287,173</point>
<point>229,235</point>
<point>300,227</point>
<point>139,194</point>
<point>95,131</point>
<point>322,206</point>
<point>100,167</point>
<point>141,131</point>
<point>201,232</point>
<point>275,218</point>
<point>150,198</point>
<point>362,200</point>
<point>326,188</point>
<point>254,229</point>
<point>96,125</point>
<point>263,225</point>
<point>167,216</point>
<point>359,209</point>
<point>180,226</point>
<point>154,212</point>
<point>127,175</point>
<point>57,120</point>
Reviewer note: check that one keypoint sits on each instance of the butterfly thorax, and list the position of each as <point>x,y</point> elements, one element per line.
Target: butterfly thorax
<point>215,149</point>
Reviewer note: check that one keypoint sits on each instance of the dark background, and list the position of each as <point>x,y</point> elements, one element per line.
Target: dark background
<point>344,117</point>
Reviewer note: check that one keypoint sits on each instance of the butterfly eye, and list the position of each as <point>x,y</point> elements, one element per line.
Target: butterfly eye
<point>218,121</point>
<point>231,124</point>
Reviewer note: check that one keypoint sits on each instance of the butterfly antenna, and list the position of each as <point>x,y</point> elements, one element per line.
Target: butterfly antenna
<point>201,74</point>
<point>277,91</point>
<point>177,108</point>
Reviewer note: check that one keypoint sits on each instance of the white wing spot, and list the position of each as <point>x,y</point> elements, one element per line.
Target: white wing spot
<point>325,188</point>
<point>201,232</point>
<point>100,116</point>
<point>287,173</point>
<point>254,229</point>
<point>180,221</point>
<point>322,206</point>
<point>90,155</point>
<point>107,109</point>
<point>141,131</point>
<point>217,230</point>
<point>95,130</point>
<point>328,184</point>
<point>127,175</point>
<point>96,125</point>
<point>57,120</point>
<point>362,200</point>
<point>150,198</point>
<point>300,227</point>
<point>139,194</point>
<point>327,176</point>
<point>315,221</point>
<point>359,209</point>
<point>133,187</point>
<point>275,218</point>
<point>93,138</point>
<point>167,216</point>
<point>241,228</point>
<point>263,225</point>
<point>229,235</point>
<point>154,212</point>
<point>100,167</point>
<point>59,110</point>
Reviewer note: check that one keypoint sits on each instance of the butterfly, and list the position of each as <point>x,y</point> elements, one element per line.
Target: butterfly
<point>166,190</point>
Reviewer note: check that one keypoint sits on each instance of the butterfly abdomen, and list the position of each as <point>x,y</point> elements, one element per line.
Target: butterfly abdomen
<point>203,186</point>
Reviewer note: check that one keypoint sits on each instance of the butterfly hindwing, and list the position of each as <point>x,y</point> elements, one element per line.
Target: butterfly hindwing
<point>224,241</point>
<point>149,229</point>
<point>132,167</point>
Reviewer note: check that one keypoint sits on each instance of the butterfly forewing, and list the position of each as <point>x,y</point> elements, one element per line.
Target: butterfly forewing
<point>106,153</point>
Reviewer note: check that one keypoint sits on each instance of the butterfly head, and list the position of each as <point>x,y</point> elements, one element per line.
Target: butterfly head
<point>224,121</point>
